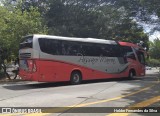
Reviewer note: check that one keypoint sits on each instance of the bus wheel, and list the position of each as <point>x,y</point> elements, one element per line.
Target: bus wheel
<point>131,74</point>
<point>76,78</point>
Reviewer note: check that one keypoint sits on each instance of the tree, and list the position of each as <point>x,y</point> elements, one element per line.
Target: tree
<point>41,5</point>
<point>154,51</point>
<point>153,62</point>
<point>92,18</point>
<point>14,24</point>
<point>143,11</point>
<point>108,19</point>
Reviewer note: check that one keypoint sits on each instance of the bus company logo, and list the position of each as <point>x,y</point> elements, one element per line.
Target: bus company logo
<point>6,110</point>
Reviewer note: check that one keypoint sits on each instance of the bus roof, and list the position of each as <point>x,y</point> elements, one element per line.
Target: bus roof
<point>132,45</point>
<point>90,40</point>
<point>129,44</point>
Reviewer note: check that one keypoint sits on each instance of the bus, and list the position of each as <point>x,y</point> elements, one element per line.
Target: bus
<point>47,58</point>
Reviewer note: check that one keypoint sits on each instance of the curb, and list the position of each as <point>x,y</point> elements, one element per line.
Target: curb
<point>9,81</point>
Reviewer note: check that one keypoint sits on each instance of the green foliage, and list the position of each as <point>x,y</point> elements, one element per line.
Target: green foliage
<point>153,62</point>
<point>92,18</point>
<point>144,11</point>
<point>154,51</point>
<point>15,24</point>
<point>108,19</point>
<point>151,6</point>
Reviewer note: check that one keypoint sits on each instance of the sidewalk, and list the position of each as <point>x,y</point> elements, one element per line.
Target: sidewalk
<point>2,81</point>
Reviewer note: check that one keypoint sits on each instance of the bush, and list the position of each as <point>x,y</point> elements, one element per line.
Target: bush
<point>2,75</point>
<point>153,62</point>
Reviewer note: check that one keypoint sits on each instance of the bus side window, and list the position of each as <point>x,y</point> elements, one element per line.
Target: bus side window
<point>96,50</point>
<point>105,50</point>
<point>80,49</point>
<point>74,50</point>
<point>108,50</point>
<point>86,49</point>
<point>68,48</point>
<point>53,47</point>
<point>50,46</point>
<point>63,49</point>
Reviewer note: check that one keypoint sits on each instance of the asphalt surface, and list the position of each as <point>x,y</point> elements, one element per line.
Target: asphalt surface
<point>96,98</point>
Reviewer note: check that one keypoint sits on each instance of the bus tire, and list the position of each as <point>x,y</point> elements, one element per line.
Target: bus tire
<point>131,74</point>
<point>76,78</point>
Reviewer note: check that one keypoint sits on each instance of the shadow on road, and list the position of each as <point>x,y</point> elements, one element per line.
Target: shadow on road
<point>151,81</point>
<point>38,85</point>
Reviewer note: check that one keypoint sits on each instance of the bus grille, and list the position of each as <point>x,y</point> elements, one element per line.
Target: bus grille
<point>25,55</point>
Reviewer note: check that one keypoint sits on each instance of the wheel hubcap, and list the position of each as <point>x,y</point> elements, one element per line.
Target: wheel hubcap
<point>76,78</point>
<point>131,75</point>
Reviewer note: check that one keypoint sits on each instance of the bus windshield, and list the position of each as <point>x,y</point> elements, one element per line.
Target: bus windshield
<point>141,57</point>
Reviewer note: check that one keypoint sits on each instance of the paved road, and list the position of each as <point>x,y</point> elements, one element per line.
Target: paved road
<point>140,92</point>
